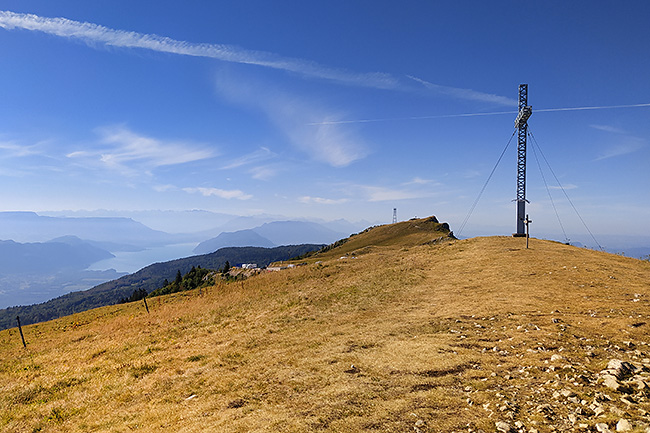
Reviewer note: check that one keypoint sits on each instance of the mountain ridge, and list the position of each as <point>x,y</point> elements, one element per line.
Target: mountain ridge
<point>240,238</point>
<point>271,234</point>
<point>32,227</point>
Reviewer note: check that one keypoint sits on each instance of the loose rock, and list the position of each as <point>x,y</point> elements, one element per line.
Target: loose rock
<point>602,427</point>
<point>623,425</point>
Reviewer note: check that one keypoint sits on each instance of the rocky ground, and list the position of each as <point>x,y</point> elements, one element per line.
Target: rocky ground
<point>565,381</point>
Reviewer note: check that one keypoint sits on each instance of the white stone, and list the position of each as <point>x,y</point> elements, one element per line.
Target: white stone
<point>619,368</point>
<point>611,382</point>
<point>503,426</point>
<point>623,425</point>
<point>568,393</point>
<point>602,427</point>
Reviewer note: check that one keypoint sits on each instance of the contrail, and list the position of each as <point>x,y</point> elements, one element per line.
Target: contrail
<point>601,107</point>
<point>94,34</point>
<point>493,113</point>
<point>390,119</point>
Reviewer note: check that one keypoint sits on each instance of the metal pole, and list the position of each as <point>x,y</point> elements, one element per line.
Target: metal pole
<point>20,328</point>
<point>527,221</point>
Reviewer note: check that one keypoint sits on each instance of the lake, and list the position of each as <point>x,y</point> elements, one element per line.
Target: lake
<point>134,261</point>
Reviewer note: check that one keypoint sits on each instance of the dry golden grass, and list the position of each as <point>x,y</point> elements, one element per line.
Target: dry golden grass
<point>434,332</point>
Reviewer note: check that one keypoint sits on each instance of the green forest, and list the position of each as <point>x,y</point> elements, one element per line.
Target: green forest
<point>147,279</point>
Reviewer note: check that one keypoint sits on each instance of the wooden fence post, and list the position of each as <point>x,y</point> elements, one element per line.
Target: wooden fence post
<point>145,304</point>
<point>20,328</point>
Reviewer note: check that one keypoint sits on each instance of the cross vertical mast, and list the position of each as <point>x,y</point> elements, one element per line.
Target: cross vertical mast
<point>521,124</point>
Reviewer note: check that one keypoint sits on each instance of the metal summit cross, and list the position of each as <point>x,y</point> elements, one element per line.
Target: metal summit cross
<point>521,124</point>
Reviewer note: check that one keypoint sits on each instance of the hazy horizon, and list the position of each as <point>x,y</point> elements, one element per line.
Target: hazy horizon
<point>50,270</point>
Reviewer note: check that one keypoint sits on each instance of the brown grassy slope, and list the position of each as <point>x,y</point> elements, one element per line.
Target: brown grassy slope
<point>446,337</point>
<point>406,233</point>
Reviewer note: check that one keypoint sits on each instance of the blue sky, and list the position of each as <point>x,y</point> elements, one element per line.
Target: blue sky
<point>337,109</point>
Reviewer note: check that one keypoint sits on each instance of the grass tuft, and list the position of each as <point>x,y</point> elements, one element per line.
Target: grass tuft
<point>142,370</point>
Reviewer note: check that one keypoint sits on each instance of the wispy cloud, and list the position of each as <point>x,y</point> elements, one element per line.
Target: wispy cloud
<point>97,35</point>
<point>394,119</point>
<point>467,94</point>
<point>608,128</point>
<point>29,160</point>
<point>264,172</point>
<point>11,149</point>
<point>124,150</point>
<point>253,162</point>
<point>321,200</point>
<point>418,181</point>
<point>416,188</point>
<point>470,173</point>
<point>164,188</point>
<point>378,193</point>
<point>335,145</point>
<point>328,143</point>
<point>262,154</point>
<point>221,193</point>
<point>567,186</point>
<point>625,143</point>
<point>620,149</point>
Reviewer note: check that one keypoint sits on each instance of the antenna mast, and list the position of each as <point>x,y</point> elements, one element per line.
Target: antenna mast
<point>394,215</point>
<point>521,124</point>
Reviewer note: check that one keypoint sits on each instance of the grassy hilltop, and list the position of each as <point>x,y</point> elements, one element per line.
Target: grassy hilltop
<point>412,331</point>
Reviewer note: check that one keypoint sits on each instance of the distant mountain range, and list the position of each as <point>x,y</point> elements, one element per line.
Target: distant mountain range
<point>241,238</point>
<point>120,232</point>
<point>272,234</point>
<point>59,255</point>
<point>38,271</point>
<point>42,257</point>
<point>149,279</point>
<point>293,232</point>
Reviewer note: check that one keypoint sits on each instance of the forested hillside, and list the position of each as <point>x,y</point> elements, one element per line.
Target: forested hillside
<point>149,278</point>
